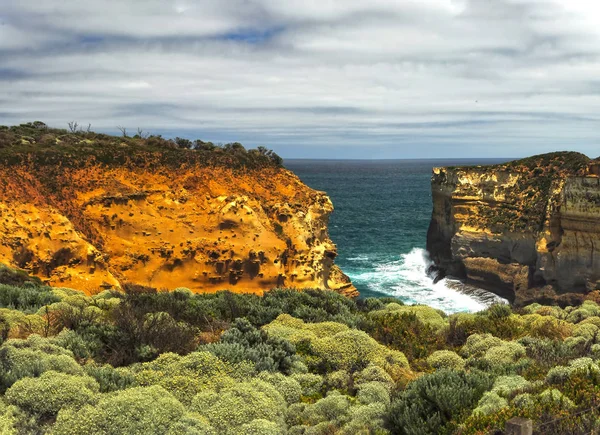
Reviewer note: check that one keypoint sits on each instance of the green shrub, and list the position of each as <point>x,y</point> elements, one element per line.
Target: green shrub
<point>243,342</point>
<point>52,391</point>
<point>366,419</point>
<point>335,346</point>
<point>110,378</point>
<point>478,344</point>
<point>506,386</point>
<point>490,403</point>
<point>240,404</point>
<point>427,315</point>
<point>373,392</point>
<point>310,383</point>
<point>138,410</point>
<point>332,409</point>
<point>288,387</point>
<point>191,424</point>
<point>31,358</point>
<point>434,403</point>
<point>446,359</point>
<point>261,427</point>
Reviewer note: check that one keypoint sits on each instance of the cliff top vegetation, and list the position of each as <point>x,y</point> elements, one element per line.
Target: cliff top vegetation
<point>37,143</point>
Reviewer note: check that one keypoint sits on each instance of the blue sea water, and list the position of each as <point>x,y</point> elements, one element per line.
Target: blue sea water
<point>382,212</point>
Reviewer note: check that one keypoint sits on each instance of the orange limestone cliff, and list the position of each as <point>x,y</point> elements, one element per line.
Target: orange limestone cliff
<point>92,212</point>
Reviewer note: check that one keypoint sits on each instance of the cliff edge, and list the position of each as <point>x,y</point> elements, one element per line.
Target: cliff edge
<point>528,230</point>
<point>91,211</point>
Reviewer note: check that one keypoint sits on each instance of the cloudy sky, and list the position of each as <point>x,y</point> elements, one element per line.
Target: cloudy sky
<point>313,78</point>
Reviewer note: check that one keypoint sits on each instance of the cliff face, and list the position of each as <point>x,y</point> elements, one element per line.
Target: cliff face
<point>528,230</point>
<point>166,219</point>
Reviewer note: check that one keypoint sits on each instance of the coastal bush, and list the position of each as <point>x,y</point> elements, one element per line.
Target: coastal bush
<point>434,403</point>
<point>48,394</point>
<point>293,362</point>
<point>243,342</point>
<point>133,411</point>
<point>446,359</point>
<point>404,331</point>
<point>240,404</point>
<point>490,403</point>
<point>332,346</point>
<point>27,298</point>
<point>32,357</point>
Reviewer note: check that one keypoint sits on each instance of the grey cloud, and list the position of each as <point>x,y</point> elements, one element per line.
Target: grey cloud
<point>501,77</point>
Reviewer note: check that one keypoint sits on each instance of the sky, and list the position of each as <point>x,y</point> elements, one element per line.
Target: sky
<point>313,78</point>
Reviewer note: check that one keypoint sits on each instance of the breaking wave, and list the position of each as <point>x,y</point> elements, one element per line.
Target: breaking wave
<point>406,278</point>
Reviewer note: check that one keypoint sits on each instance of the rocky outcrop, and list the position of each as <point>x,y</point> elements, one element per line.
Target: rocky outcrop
<point>163,219</point>
<point>527,230</point>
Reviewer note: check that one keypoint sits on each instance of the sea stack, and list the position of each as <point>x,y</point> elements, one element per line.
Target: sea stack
<point>528,230</point>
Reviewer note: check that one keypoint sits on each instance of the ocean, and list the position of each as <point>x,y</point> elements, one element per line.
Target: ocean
<point>382,212</point>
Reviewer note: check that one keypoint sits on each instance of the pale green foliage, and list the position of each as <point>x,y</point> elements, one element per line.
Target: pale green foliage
<point>332,408</point>
<point>523,401</point>
<point>594,320</point>
<point>8,419</point>
<point>558,374</point>
<point>311,384</point>
<point>191,424</point>
<point>587,364</point>
<point>552,396</point>
<point>335,345</point>
<point>427,315</point>
<point>532,308</point>
<point>350,348</point>
<point>578,315</point>
<point>32,357</point>
<point>595,350</point>
<point>183,291</point>
<point>506,353</point>
<point>288,387</point>
<point>373,373</point>
<point>366,419</point>
<point>446,359</point>
<point>261,427</point>
<point>136,411</point>
<point>589,331</point>
<point>490,403</point>
<point>63,292</point>
<point>52,391</point>
<point>20,323</point>
<point>239,404</point>
<point>338,380</point>
<point>505,386</point>
<point>478,344</point>
<point>185,376</point>
<point>110,378</point>
<point>81,348</point>
<point>592,307</point>
<point>373,392</point>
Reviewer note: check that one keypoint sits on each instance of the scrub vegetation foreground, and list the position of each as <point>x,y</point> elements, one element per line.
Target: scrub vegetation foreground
<point>144,361</point>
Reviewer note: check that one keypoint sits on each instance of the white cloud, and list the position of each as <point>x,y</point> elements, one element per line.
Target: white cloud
<point>455,77</point>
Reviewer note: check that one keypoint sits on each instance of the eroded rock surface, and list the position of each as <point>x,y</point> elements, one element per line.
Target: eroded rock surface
<point>527,230</point>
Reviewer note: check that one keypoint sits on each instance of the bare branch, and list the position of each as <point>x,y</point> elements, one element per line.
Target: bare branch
<point>73,126</point>
<point>123,130</point>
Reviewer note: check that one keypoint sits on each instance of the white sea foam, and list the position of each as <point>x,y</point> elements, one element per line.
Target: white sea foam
<point>407,279</point>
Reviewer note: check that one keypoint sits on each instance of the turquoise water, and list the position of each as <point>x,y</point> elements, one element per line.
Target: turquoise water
<point>382,212</point>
